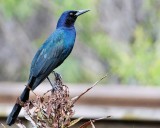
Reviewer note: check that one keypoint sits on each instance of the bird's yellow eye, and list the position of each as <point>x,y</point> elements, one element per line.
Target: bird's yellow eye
<point>71,14</point>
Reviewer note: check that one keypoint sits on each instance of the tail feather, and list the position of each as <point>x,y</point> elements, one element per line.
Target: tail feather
<point>14,114</point>
<point>17,107</point>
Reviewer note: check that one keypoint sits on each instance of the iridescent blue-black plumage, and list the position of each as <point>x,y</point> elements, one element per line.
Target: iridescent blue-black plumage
<point>49,56</point>
<point>52,53</point>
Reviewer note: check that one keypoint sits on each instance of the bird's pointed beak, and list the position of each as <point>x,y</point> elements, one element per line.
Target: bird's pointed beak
<point>80,12</point>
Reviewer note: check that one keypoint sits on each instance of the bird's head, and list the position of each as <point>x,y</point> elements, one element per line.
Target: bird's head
<point>68,18</point>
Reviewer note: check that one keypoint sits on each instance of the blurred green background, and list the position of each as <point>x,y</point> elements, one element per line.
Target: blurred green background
<point>117,37</point>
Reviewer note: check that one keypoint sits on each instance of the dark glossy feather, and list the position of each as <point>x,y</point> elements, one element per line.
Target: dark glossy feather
<point>49,56</point>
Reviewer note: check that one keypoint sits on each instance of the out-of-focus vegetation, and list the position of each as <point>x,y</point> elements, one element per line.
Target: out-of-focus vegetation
<point>118,37</point>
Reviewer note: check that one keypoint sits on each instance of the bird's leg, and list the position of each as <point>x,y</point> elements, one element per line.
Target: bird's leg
<point>54,86</point>
<point>58,81</point>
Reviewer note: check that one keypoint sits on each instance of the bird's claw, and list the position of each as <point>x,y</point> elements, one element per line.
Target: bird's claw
<point>57,83</point>
<point>55,87</point>
<point>57,76</point>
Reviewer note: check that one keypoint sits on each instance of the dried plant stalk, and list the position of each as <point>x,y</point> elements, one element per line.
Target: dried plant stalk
<point>55,108</point>
<point>51,110</point>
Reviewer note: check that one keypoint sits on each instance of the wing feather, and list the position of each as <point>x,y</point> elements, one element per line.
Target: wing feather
<point>48,54</point>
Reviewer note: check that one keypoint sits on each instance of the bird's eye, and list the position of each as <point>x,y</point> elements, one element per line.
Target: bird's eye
<point>71,14</point>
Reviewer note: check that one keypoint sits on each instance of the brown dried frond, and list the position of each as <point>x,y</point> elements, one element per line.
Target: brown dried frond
<point>55,108</point>
<point>51,110</point>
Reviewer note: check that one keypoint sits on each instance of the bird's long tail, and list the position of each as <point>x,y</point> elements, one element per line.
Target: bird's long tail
<point>17,107</point>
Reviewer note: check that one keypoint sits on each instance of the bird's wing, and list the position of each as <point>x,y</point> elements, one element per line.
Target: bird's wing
<point>48,54</point>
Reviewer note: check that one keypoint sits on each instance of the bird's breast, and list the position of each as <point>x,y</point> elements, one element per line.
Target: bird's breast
<point>69,38</point>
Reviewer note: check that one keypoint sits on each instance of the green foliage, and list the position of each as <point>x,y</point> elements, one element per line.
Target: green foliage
<point>20,9</point>
<point>72,69</point>
<point>139,64</point>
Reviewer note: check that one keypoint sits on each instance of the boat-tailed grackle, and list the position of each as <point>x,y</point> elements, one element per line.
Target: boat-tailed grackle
<point>49,56</point>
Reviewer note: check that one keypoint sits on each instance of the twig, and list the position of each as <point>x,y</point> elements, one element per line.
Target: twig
<point>2,125</point>
<point>90,122</point>
<point>77,98</point>
<point>46,92</point>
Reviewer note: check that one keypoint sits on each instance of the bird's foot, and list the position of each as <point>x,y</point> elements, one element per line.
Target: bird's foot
<point>58,81</point>
<point>58,77</point>
<point>54,85</point>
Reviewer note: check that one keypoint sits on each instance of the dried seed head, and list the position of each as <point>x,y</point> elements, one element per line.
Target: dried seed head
<point>52,110</point>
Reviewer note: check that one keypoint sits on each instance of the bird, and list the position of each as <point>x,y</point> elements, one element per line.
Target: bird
<point>49,56</point>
